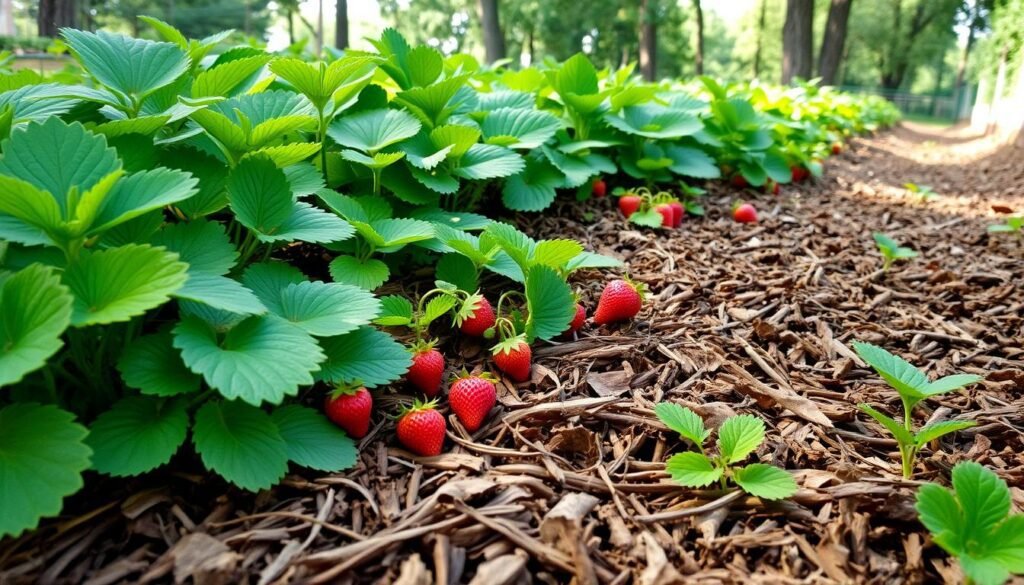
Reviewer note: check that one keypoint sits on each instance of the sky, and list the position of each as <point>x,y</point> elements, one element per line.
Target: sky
<point>365,20</point>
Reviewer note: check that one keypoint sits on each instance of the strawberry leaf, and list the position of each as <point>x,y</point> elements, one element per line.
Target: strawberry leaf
<point>241,443</point>
<point>683,421</point>
<point>692,470</point>
<point>136,435</point>
<point>313,441</point>
<point>765,481</point>
<point>739,436</point>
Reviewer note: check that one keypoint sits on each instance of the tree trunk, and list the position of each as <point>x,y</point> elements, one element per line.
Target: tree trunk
<point>798,40</point>
<point>648,40</point>
<point>7,28</point>
<point>834,41</point>
<point>961,69</point>
<point>56,14</point>
<point>291,26</point>
<point>760,39</point>
<point>494,40</point>
<point>341,25</point>
<point>698,60</point>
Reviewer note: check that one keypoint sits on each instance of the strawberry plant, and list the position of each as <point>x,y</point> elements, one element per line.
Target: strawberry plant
<point>738,437</point>
<point>913,387</point>
<point>924,193</point>
<point>891,251</point>
<point>973,523</point>
<point>1012,225</point>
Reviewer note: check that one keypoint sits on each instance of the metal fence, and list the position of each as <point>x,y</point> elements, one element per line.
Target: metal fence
<point>939,105</point>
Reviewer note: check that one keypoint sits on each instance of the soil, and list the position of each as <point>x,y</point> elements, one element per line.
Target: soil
<point>566,482</point>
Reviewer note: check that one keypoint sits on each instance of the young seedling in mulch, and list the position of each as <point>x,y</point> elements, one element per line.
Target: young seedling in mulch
<point>973,523</point>
<point>924,192</point>
<point>738,437</point>
<point>891,250</point>
<point>913,386</point>
<point>1013,225</point>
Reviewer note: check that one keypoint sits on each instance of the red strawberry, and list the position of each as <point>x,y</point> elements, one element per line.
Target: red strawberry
<point>775,188</point>
<point>744,213</point>
<point>476,315</point>
<point>678,213</point>
<point>350,408</point>
<point>668,217</point>
<point>577,321</point>
<point>837,148</point>
<point>427,369</point>
<point>628,204</point>
<point>471,399</point>
<point>421,429</point>
<point>620,301</point>
<point>798,173</point>
<point>739,181</point>
<point>600,188</point>
<point>512,356</point>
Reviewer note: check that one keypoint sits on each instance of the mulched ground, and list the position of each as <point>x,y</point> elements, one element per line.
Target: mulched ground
<point>566,483</point>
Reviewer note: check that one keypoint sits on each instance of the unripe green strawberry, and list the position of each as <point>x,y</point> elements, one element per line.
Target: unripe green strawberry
<point>512,356</point>
<point>620,301</point>
<point>421,429</point>
<point>471,399</point>
<point>427,369</point>
<point>350,407</point>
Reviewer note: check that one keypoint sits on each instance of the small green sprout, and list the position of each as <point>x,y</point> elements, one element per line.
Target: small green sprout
<point>1013,225</point>
<point>891,250</point>
<point>738,437</point>
<point>973,523</point>
<point>924,192</point>
<point>913,386</point>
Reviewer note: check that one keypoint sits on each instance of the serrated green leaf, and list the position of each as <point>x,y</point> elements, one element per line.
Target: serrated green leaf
<point>153,366</point>
<point>692,469</point>
<point>324,309</point>
<point>269,279</point>
<point>228,78</point>
<point>739,436</point>
<point>370,356</point>
<point>306,223</point>
<point>203,244</point>
<point>368,274</point>
<point>984,497</point>
<point>259,194</point>
<point>549,303</point>
<point>651,121</point>
<point>136,435</point>
<point>458,270</point>
<point>683,421</point>
<point>118,284</point>
<point>131,66</point>
<point>284,155</point>
<point>592,260</point>
<point>765,481</point>
<point>647,217</point>
<point>519,128</point>
<point>220,292</point>
<point>373,130</point>
<point>950,383</point>
<point>693,162</point>
<point>143,125</point>
<point>212,174</point>
<point>556,253</point>
<point>486,161</point>
<point>241,443</point>
<point>42,457</point>
<point>261,359</point>
<point>533,189</point>
<point>143,192</point>
<point>939,511</point>
<point>983,571</point>
<point>395,310</point>
<point>1006,544</point>
<point>35,309</point>
<point>313,441</point>
<point>436,308</point>
<point>933,431</point>
<point>910,382</point>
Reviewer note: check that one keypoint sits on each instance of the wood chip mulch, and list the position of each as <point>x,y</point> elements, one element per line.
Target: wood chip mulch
<point>566,483</point>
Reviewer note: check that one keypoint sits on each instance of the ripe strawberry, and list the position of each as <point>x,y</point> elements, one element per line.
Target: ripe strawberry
<point>475,316</point>
<point>471,399</point>
<point>837,148</point>
<point>798,173</point>
<point>578,320</point>
<point>678,213</point>
<point>349,407</point>
<point>421,429</point>
<point>600,188</point>
<point>628,204</point>
<point>620,301</point>
<point>427,368</point>
<point>512,356</point>
<point>668,217</point>
<point>744,213</point>
<point>740,182</point>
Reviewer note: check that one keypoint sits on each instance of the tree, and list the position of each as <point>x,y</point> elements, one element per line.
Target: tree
<point>341,25</point>
<point>648,39</point>
<point>698,59</point>
<point>797,40</point>
<point>56,14</point>
<point>494,39</point>
<point>834,40</point>
<point>760,38</point>
<point>905,35</point>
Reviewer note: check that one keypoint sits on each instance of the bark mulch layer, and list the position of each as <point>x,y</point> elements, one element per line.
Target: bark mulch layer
<point>567,483</point>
